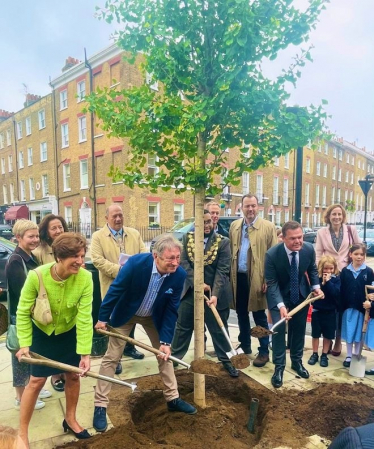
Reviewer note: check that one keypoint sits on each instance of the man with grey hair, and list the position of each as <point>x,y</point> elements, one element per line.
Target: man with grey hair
<point>107,245</point>
<point>146,291</point>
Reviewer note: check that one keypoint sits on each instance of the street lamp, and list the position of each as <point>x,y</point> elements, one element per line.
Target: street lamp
<point>365,185</point>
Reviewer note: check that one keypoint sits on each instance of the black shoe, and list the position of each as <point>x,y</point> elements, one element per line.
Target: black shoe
<point>83,435</point>
<point>231,369</point>
<point>369,372</point>
<point>347,362</point>
<point>58,385</point>
<point>277,378</point>
<point>100,422</point>
<point>246,349</point>
<point>118,368</point>
<point>133,353</point>
<point>324,362</point>
<point>178,405</point>
<point>299,368</point>
<point>313,359</point>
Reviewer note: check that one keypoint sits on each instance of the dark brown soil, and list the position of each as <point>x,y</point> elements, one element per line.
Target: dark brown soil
<point>240,361</point>
<point>208,367</point>
<point>284,418</point>
<point>259,332</point>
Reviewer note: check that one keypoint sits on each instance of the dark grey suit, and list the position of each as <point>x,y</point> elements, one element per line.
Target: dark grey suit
<point>277,275</point>
<point>216,275</point>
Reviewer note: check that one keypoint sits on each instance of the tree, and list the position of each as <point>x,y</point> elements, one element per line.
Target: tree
<point>207,56</point>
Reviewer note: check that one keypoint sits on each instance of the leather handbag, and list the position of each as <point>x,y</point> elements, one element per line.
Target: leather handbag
<point>3,319</point>
<point>41,310</point>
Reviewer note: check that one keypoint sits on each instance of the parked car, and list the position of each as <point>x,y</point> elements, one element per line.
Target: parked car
<point>186,225</point>
<point>6,232</point>
<point>310,237</point>
<point>6,250</point>
<point>369,241</point>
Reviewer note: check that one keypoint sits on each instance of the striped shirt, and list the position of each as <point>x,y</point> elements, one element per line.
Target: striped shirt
<point>154,286</point>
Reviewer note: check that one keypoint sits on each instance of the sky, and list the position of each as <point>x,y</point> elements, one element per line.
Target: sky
<point>38,35</point>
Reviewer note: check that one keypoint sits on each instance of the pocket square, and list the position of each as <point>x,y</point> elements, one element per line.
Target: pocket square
<point>170,291</point>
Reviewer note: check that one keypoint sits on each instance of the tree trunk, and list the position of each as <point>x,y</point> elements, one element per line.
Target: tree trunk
<point>199,379</point>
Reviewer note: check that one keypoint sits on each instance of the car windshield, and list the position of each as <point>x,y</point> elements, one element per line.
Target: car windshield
<point>9,245</point>
<point>183,225</point>
<point>369,233</point>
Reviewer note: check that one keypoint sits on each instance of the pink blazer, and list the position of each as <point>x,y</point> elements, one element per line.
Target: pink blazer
<point>324,246</point>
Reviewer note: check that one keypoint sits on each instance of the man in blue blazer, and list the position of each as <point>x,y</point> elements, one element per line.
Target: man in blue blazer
<point>146,291</point>
<point>282,298</point>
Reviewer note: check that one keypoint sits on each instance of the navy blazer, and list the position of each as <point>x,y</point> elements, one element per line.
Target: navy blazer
<point>127,292</point>
<point>278,273</point>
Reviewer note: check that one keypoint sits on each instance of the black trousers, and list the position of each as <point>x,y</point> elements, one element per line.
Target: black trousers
<point>260,318</point>
<point>184,328</point>
<point>296,335</point>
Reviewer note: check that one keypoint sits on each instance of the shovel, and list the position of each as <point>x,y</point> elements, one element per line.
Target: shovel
<point>236,356</point>
<point>260,332</point>
<point>37,359</point>
<point>200,366</point>
<point>358,362</point>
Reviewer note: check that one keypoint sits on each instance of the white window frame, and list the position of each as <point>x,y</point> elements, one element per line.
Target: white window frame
<point>63,99</point>
<point>66,177</point>
<point>11,192</point>
<point>260,187</point>
<point>245,183</point>
<point>334,152</point>
<point>83,172</point>
<point>285,191</point>
<point>333,195</point>
<point>81,90</point>
<point>21,161</point>
<point>352,178</point>
<point>19,130</point>
<point>64,135</point>
<point>287,160</point>
<point>2,141</point>
<point>333,173</point>
<point>347,176</point>
<point>3,165</point>
<point>317,195</point>
<point>82,128</point>
<point>10,163</point>
<point>307,165</point>
<point>340,175</point>
<point>68,214</point>
<point>340,155</point>
<point>276,161</point>
<point>286,216</point>
<point>276,190</point>
<point>43,152</point>
<point>28,125</point>
<point>29,157</point>
<point>178,212</point>
<point>325,170</point>
<point>22,190</point>
<point>326,149</point>
<point>45,186</point>
<point>41,118</point>
<point>153,217</point>
<point>5,194</point>
<point>32,188</point>
<point>324,193</point>
<point>318,168</point>
<point>152,169</point>
<point>307,194</point>
<point>8,137</point>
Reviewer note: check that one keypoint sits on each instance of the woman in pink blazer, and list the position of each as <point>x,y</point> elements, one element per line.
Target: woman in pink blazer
<point>335,240</point>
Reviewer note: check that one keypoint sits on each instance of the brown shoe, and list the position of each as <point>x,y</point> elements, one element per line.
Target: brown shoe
<point>261,360</point>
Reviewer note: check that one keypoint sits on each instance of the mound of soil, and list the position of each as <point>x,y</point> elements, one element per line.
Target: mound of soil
<point>284,418</point>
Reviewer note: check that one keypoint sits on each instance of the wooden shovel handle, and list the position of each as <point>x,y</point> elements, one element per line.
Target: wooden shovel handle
<point>306,301</point>
<point>215,312</point>
<point>115,334</point>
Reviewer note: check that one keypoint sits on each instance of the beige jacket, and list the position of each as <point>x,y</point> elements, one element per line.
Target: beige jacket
<point>105,253</point>
<point>43,254</point>
<point>262,237</point>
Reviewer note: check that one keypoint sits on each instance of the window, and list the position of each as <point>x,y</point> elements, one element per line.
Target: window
<point>347,158</point>
<point>285,192</point>
<point>307,195</point>
<point>339,195</point>
<point>309,144</point>
<point>352,178</point>
<point>28,126</point>
<point>325,170</point>
<point>359,163</point>
<point>317,195</point>
<point>276,161</point>
<point>20,160</point>
<point>319,148</point>
<point>32,189</point>
<point>82,129</point>
<point>29,156</point>
<point>68,214</point>
<point>324,192</point>
<point>152,167</point>
<point>81,90</point>
<point>245,183</point>
<point>346,195</point>
<point>66,177</point>
<point>307,167</point>
<point>352,160</point>
<point>84,173</point>
<point>259,187</point>
<point>334,152</point>
<point>346,176</point>
<point>41,116</point>
<point>22,190</point>
<point>278,217</point>
<point>64,135</point>
<point>326,149</point>
<point>1,140</point>
<point>5,194</point>
<point>351,195</point>
<point>9,137</point>
<point>287,160</point>
<point>153,214</point>
<point>333,172</point>
<point>340,155</point>
<point>11,191</point>
<point>63,99</point>
<point>45,189</point>
<point>333,195</point>
<point>43,152</point>
<point>275,190</point>
<point>10,163</point>
<point>318,169</point>
<point>286,216</point>
<point>178,212</point>
<point>19,130</point>
<point>340,175</point>
<point>3,166</point>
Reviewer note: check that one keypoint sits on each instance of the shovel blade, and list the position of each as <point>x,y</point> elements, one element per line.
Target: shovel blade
<point>358,366</point>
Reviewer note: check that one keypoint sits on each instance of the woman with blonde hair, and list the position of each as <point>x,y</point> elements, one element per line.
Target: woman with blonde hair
<point>335,240</point>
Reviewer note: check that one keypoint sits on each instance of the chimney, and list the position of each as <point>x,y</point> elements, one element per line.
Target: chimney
<point>31,99</point>
<point>69,63</point>
<point>5,115</point>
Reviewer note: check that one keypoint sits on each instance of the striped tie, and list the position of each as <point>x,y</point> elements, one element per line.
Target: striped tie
<point>294,293</point>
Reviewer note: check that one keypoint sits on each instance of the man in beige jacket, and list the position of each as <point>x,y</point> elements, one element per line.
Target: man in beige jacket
<point>106,246</point>
<point>250,238</point>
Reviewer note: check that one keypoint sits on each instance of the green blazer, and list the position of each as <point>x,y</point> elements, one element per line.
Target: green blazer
<point>71,304</point>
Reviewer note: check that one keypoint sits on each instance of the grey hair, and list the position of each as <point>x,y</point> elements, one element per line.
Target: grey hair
<point>166,241</point>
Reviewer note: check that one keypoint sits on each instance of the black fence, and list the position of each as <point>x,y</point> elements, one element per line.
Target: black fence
<point>148,233</point>
<point>83,228</point>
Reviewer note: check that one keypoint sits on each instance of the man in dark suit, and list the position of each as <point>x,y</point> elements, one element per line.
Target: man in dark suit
<point>288,266</point>
<point>217,258</point>
<point>146,291</point>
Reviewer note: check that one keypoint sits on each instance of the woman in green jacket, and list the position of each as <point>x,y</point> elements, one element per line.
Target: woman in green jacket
<point>68,339</point>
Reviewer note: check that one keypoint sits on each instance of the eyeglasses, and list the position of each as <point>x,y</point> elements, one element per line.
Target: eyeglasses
<point>171,259</point>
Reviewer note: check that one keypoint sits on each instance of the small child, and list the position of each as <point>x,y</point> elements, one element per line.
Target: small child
<point>353,278</point>
<point>324,310</point>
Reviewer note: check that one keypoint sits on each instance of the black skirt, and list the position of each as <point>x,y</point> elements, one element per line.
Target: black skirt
<point>61,348</point>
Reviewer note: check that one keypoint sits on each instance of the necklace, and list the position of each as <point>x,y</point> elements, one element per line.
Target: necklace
<point>210,256</point>
<point>60,279</point>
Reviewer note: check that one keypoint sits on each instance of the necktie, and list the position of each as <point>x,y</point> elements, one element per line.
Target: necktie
<point>294,292</point>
